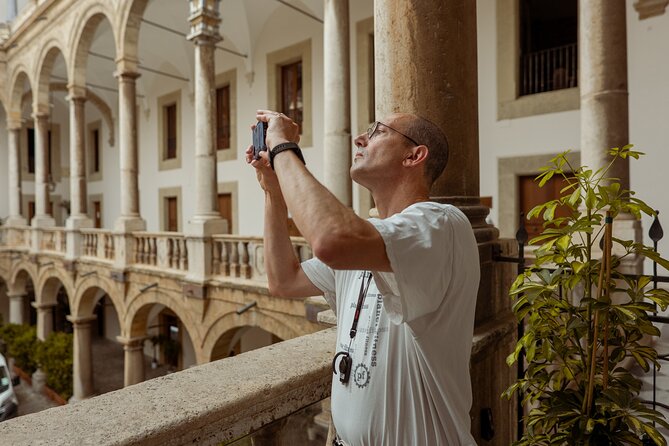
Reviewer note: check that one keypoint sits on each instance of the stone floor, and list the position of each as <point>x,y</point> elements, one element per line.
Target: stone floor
<point>31,401</point>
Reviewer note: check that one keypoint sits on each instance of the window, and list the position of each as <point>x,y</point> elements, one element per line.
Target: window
<point>94,155</point>
<point>531,195</point>
<point>291,92</point>
<point>171,206</point>
<point>289,86</point>
<point>225,208</point>
<point>548,45</point>
<point>170,117</point>
<point>169,131</point>
<point>223,117</point>
<point>95,143</point>
<point>97,213</point>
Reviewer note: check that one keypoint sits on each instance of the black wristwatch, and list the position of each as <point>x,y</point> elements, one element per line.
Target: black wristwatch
<point>282,147</point>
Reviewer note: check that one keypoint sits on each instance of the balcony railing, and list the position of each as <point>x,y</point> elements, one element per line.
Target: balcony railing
<point>52,240</point>
<point>548,70</point>
<point>204,405</point>
<point>165,250</point>
<point>98,243</point>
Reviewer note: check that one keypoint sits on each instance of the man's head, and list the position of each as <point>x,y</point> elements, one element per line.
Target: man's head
<point>401,142</point>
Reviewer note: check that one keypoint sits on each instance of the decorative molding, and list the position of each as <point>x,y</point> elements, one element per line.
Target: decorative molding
<point>650,8</point>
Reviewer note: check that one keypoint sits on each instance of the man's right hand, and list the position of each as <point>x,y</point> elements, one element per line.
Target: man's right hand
<point>266,176</point>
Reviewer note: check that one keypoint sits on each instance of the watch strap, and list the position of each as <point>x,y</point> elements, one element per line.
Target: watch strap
<point>293,147</point>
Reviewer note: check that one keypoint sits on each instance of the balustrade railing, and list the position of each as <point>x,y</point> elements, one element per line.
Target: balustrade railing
<point>548,70</point>
<point>98,243</point>
<point>163,250</point>
<point>53,240</point>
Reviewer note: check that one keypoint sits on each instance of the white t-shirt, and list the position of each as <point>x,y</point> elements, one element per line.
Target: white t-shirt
<point>410,381</point>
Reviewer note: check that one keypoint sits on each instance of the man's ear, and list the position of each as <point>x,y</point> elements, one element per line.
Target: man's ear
<point>416,156</point>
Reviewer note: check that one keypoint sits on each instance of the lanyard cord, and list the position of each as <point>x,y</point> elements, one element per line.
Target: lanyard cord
<point>358,307</point>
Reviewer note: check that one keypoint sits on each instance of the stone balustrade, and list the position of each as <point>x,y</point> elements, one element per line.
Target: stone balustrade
<point>205,405</point>
<point>98,243</point>
<point>165,250</point>
<point>52,240</point>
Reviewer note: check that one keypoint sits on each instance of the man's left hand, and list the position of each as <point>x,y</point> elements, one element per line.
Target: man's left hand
<point>280,128</point>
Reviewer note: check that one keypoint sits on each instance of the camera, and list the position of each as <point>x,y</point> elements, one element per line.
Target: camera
<point>345,365</point>
<point>259,135</point>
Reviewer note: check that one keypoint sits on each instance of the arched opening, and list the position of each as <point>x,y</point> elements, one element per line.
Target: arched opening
<point>242,339</point>
<point>20,309</point>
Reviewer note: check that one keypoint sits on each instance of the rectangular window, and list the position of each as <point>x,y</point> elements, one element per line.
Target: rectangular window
<point>548,46</point>
<point>170,120</point>
<point>291,92</point>
<point>31,150</point>
<point>225,208</point>
<point>172,216</point>
<point>223,117</point>
<point>95,150</point>
<point>97,213</point>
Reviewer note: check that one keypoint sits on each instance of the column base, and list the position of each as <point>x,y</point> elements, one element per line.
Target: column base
<point>130,224</point>
<point>16,220</point>
<point>78,222</point>
<point>43,221</point>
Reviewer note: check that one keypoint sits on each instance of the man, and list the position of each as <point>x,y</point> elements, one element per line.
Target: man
<point>403,286</point>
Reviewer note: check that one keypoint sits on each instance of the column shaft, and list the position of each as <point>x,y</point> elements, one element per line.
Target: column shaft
<point>78,193</point>
<point>603,84</point>
<point>41,165</point>
<point>337,143</point>
<point>425,63</point>
<point>16,308</point>
<point>82,359</point>
<point>133,370</point>
<point>14,175</point>
<point>44,321</point>
<point>206,204</point>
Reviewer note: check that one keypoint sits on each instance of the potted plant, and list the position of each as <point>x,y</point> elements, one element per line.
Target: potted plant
<point>585,321</point>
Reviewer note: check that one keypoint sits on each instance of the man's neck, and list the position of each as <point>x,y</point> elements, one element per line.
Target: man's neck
<point>395,201</point>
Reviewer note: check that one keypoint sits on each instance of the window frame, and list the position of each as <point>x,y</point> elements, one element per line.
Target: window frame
<point>222,79</point>
<point>163,102</point>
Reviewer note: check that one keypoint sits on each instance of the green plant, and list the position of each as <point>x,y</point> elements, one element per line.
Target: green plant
<point>55,357</point>
<point>21,341</point>
<point>586,321</point>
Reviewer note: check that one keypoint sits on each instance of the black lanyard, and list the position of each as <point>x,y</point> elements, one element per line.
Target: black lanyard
<point>358,307</point>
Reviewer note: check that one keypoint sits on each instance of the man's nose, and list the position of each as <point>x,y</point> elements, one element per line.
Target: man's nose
<point>360,140</point>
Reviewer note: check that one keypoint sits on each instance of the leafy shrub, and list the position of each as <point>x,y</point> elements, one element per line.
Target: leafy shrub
<point>21,342</point>
<point>55,356</point>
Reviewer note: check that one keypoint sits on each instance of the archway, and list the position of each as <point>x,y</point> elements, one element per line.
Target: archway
<point>242,339</point>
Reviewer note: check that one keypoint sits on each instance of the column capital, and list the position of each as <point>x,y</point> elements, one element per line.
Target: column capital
<point>16,294</point>
<point>80,321</point>
<point>40,115</point>
<point>14,124</point>
<point>42,306</point>
<point>76,93</point>
<point>124,75</point>
<point>204,20</point>
<point>131,342</point>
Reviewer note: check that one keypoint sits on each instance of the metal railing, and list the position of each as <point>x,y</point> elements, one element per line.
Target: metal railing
<point>549,70</point>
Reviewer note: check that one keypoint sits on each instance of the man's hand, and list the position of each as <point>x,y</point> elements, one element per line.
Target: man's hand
<point>280,128</point>
<point>266,176</point>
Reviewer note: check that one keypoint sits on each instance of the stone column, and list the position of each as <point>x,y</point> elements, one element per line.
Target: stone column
<point>78,195</point>
<point>130,219</point>
<point>44,320</point>
<point>13,134</point>
<point>426,63</point>
<point>204,21</point>
<point>337,145</point>
<point>82,358</point>
<point>42,217</point>
<point>16,308</point>
<point>133,370</point>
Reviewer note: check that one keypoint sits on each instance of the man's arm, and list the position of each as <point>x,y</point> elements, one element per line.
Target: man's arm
<point>338,237</point>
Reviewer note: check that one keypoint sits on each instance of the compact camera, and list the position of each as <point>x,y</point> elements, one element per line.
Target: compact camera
<point>259,135</point>
<point>345,366</point>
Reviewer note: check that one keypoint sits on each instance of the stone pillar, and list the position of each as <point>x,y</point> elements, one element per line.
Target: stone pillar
<point>78,195</point>
<point>44,320</point>
<point>439,37</point>
<point>133,369</point>
<point>204,21</point>
<point>337,144</point>
<point>42,217</point>
<point>82,376</point>
<point>13,133</point>
<point>130,219</point>
<point>16,308</point>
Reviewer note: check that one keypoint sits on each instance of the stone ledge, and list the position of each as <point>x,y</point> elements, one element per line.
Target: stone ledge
<point>203,405</point>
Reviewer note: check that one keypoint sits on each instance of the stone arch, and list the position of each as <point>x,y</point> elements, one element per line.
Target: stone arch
<point>86,295</point>
<point>233,320</point>
<point>48,284</point>
<point>20,275</point>
<point>18,79</point>
<point>136,318</point>
<point>129,25</point>
<point>47,58</point>
<point>83,35</point>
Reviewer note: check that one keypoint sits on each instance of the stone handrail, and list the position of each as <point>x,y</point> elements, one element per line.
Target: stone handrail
<point>52,240</point>
<point>17,236</point>
<point>166,250</point>
<point>98,243</point>
<point>204,405</point>
<point>243,257</point>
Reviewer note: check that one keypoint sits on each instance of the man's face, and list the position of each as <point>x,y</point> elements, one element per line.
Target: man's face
<point>380,153</point>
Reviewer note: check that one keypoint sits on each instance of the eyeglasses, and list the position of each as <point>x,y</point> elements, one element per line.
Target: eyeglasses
<point>374,127</point>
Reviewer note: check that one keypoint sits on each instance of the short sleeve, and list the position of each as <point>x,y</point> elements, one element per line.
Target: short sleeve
<point>419,245</point>
<point>323,277</point>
